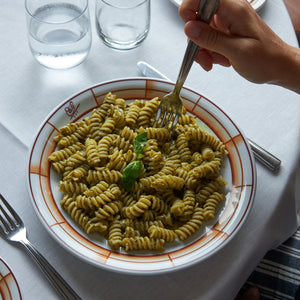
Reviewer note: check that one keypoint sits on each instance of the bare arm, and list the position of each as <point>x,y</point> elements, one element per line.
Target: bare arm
<point>238,37</point>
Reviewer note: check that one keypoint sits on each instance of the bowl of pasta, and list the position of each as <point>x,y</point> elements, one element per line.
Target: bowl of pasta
<point>127,196</point>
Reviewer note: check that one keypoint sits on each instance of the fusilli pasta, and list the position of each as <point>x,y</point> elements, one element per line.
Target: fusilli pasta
<point>179,186</point>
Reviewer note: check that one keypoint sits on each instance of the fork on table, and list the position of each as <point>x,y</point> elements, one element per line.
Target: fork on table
<point>170,107</point>
<point>13,229</point>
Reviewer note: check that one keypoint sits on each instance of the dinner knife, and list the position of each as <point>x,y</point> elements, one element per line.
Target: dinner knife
<point>262,155</point>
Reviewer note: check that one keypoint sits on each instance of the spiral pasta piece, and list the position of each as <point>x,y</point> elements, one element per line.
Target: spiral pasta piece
<point>107,127</point>
<point>79,173</point>
<point>75,137</point>
<point>140,226</point>
<point>116,161</point>
<point>167,182</point>
<point>98,200</point>
<point>206,168</point>
<point>115,234</point>
<point>210,205</point>
<point>178,207</point>
<point>214,185</point>
<point>119,116</point>
<point>160,134</point>
<point>98,189</point>
<point>132,115</point>
<point>95,125</point>
<point>143,243</point>
<point>189,199</point>
<point>65,153</point>
<point>138,208</point>
<point>122,143</point>
<point>205,138</point>
<point>183,147</point>
<point>186,120</point>
<point>71,187</point>
<point>108,210</point>
<point>90,225</point>
<point>104,145</point>
<point>59,167</point>
<point>75,160</point>
<point>153,158</point>
<point>68,129</point>
<point>197,158</point>
<point>128,134</point>
<point>156,232</point>
<point>103,174</point>
<point>89,202</point>
<point>207,153</point>
<point>171,164</point>
<point>95,225</point>
<point>158,205</point>
<point>148,112</point>
<point>187,229</point>
<point>92,154</point>
<point>109,100</point>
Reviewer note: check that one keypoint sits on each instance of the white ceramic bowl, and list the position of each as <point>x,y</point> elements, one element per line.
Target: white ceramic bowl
<point>239,171</point>
<point>9,288</point>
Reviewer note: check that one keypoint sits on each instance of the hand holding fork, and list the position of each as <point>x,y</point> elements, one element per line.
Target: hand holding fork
<point>170,106</point>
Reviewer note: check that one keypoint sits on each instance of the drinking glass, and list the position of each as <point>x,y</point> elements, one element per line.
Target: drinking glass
<point>59,32</point>
<point>122,24</point>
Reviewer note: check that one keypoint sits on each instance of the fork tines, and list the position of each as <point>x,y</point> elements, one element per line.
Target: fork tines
<point>166,118</point>
<point>8,217</point>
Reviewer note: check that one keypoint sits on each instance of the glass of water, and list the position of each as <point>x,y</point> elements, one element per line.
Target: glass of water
<point>122,24</point>
<point>59,32</point>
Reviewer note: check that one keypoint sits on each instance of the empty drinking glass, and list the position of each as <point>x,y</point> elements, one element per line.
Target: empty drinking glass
<point>122,24</point>
<point>59,32</point>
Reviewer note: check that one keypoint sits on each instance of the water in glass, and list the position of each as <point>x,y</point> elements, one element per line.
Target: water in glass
<point>59,36</point>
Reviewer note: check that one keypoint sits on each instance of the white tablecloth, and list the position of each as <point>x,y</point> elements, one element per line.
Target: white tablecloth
<point>267,114</point>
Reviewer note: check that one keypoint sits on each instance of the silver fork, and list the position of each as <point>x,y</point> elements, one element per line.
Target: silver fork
<point>262,155</point>
<point>170,107</point>
<point>13,229</point>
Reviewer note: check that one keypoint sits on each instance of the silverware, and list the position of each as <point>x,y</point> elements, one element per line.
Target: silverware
<point>262,155</point>
<point>13,229</point>
<point>265,157</point>
<point>169,109</point>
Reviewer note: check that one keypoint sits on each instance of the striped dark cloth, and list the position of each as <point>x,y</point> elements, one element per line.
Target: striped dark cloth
<point>278,274</point>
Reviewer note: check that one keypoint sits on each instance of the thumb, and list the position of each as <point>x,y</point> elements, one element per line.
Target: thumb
<point>207,37</point>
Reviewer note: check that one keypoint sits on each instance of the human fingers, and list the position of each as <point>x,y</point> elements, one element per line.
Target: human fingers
<point>238,17</point>
<point>207,59</point>
<point>204,59</point>
<point>188,9</point>
<point>234,16</point>
<point>220,59</point>
<point>209,38</point>
<point>243,53</point>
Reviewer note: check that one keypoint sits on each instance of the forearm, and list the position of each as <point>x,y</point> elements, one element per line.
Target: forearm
<point>288,71</point>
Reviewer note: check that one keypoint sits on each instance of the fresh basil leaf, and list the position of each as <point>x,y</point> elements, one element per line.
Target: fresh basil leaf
<point>131,173</point>
<point>139,144</point>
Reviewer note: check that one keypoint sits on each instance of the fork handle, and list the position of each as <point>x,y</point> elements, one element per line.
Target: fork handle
<point>187,62</point>
<point>265,157</point>
<point>52,275</point>
<point>206,11</point>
